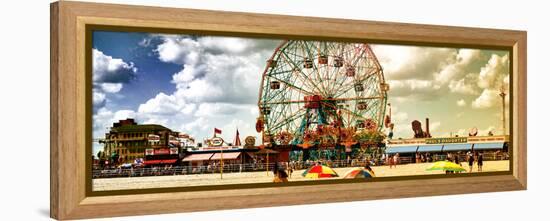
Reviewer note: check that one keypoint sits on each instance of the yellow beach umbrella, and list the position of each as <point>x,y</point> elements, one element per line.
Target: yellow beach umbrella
<point>446,166</point>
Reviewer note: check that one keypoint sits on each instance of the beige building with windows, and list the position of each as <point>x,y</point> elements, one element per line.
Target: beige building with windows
<point>128,140</point>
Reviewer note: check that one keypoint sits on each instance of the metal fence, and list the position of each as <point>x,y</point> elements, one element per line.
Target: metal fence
<point>216,168</point>
<point>249,167</point>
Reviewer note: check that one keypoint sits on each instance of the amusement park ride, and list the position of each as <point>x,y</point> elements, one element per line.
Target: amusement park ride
<point>321,94</point>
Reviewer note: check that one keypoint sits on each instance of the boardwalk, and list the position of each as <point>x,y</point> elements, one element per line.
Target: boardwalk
<point>260,177</point>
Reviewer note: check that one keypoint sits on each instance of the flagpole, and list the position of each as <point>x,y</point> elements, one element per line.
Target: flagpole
<point>221,164</point>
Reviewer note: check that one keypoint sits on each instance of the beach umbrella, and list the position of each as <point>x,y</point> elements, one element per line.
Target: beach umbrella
<point>319,171</point>
<point>446,166</point>
<point>359,173</point>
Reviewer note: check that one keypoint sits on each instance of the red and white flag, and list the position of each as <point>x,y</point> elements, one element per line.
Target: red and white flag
<point>237,141</point>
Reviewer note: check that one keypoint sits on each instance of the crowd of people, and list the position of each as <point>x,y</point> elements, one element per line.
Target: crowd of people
<point>392,160</point>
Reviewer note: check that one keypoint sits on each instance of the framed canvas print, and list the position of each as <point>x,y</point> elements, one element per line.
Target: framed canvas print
<point>159,110</point>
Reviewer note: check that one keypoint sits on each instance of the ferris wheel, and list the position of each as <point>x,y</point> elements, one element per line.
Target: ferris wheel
<point>314,90</point>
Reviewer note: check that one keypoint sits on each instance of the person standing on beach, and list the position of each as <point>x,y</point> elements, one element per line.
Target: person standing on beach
<point>480,162</point>
<point>290,169</point>
<point>470,161</point>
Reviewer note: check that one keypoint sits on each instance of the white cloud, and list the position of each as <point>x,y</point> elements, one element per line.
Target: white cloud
<point>403,130</point>
<point>461,103</point>
<point>220,109</point>
<point>198,124</point>
<point>467,56</point>
<point>107,69</point>
<point>109,75</point>
<point>457,67</point>
<point>488,98</point>
<point>425,73</point>
<point>459,86</point>
<point>162,104</point>
<point>98,99</point>
<point>411,62</point>
<point>111,87</point>
<point>178,50</point>
<point>411,87</point>
<point>489,76</point>
<point>216,69</point>
<point>462,133</point>
<point>434,126</point>
<point>400,117</point>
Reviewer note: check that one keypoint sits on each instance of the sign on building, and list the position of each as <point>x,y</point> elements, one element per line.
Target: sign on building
<point>447,140</point>
<point>249,141</point>
<point>153,138</point>
<point>162,151</point>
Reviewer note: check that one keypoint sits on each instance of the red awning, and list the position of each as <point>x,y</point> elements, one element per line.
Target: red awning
<point>197,157</point>
<point>151,162</point>
<point>170,161</point>
<point>226,156</point>
<point>155,162</point>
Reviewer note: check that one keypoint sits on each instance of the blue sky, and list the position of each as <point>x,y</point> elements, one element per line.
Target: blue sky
<point>195,83</point>
<point>152,77</point>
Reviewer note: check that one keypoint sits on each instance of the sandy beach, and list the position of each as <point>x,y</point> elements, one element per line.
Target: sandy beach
<point>262,177</point>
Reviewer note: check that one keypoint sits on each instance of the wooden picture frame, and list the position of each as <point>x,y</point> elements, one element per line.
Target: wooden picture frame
<point>70,190</point>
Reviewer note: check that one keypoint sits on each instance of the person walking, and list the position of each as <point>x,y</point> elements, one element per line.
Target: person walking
<point>279,174</point>
<point>480,162</point>
<point>290,169</point>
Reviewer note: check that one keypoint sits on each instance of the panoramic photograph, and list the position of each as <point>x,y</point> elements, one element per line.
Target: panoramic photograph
<point>196,110</point>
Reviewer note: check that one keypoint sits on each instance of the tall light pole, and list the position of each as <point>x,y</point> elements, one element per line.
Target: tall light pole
<point>503,95</point>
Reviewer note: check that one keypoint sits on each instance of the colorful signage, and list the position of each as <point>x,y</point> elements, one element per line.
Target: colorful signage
<point>216,141</point>
<point>219,148</point>
<point>162,151</point>
<point>250,141</point>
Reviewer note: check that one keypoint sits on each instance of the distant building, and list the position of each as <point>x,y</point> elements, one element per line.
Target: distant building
<point>407,148</point>
<point>129,140</point>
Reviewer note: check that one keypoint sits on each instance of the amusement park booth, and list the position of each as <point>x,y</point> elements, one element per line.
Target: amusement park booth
<point>161,157</point>
<point>492,147</point>
<point>206,155</point>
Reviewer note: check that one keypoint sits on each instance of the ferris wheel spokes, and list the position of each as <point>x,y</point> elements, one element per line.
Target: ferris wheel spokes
<point>316,84</point>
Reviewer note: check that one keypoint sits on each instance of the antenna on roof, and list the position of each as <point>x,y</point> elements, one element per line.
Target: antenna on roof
<point>503,95</point>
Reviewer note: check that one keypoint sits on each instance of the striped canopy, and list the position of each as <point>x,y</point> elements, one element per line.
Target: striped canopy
<point>319,171</point>
<point>359,173</point>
